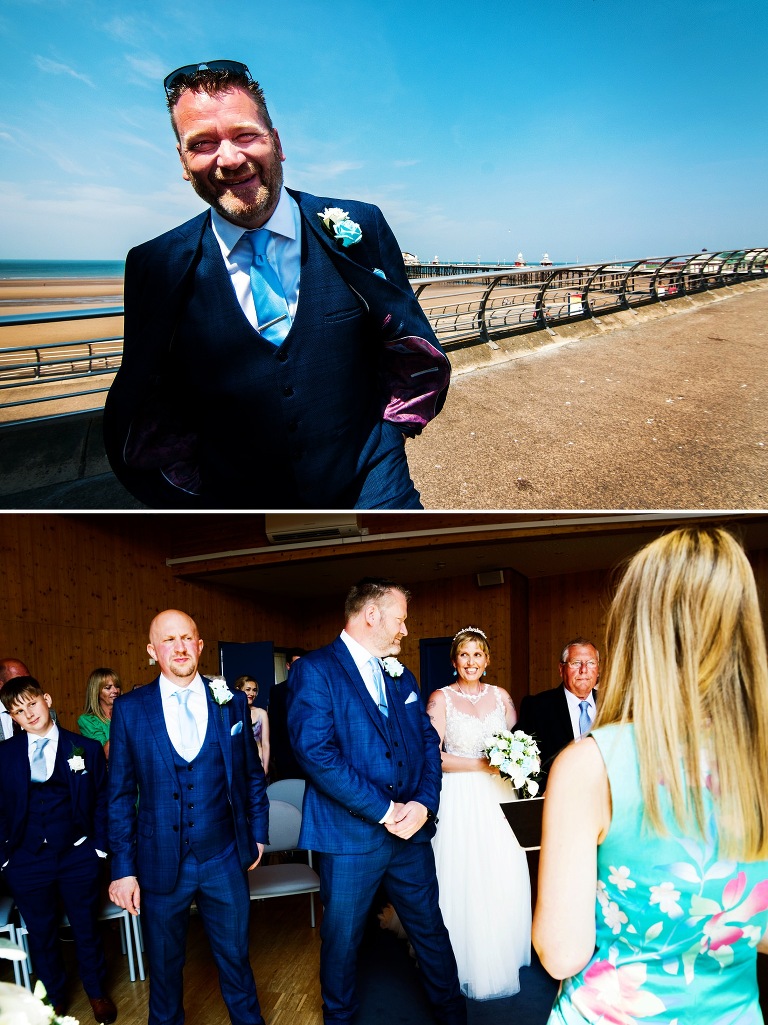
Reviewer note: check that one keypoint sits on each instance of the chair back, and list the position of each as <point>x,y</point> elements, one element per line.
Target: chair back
<point>289,790</point>
<point>284,827</point>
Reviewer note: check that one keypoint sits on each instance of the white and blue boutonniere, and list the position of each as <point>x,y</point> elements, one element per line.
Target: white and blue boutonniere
<point>392,667</point>
<point>340,227</point>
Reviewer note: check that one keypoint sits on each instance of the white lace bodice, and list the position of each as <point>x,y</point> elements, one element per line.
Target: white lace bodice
<point>465,729</point>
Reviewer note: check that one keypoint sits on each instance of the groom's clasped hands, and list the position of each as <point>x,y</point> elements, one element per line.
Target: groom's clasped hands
<point>406,819</point>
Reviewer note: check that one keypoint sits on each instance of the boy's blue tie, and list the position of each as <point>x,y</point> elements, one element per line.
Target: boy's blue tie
<point>268,296</point>
<point>378,679</point>
<point>37,764</point>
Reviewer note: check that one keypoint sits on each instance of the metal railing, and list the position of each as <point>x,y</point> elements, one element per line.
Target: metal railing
<point>463,308</point>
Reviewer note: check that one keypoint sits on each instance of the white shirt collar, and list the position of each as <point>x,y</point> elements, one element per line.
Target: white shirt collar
<point>360,655</point>
<point>52,734</point>
<point>574,700</point>
<point>169,687</point>
<point>282,222</point>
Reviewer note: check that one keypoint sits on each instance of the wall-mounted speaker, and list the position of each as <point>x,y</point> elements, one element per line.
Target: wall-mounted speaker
<point>491,578</point>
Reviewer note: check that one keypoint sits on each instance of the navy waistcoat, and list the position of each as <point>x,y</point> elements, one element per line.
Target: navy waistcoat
<point>49,818</point>
<point>288,422</point>
<point>206,814</point>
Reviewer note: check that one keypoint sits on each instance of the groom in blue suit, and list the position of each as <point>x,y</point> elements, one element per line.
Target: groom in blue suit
<point>372,760</point>
<point>188,816</point>
<point>275,355</point>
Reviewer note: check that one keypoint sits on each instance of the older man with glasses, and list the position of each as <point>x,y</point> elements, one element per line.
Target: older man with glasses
<point>565,713</point>
<point>275,355</point>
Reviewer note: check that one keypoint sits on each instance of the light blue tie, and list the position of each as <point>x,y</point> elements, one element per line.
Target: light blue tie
<point>268,296</point>
<point>378,679</point>
<point>584,718</point>
<point>37,764</point>
<point>190,738</point>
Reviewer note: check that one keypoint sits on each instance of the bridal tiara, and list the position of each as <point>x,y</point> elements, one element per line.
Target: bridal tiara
<point>471,630</point>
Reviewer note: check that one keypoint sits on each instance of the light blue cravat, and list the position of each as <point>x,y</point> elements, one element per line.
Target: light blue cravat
<point>190,738</point>
<point>584,719</point>
<point>37,764</point>
<point>268,295</point>
<point>378,680</point>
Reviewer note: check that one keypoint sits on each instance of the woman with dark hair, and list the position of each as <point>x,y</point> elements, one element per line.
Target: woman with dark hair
<point>662,812</point>
<point>485,889</point>
<point>100,693</point>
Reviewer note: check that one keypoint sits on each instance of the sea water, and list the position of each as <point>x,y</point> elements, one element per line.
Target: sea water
<point>52,269</point>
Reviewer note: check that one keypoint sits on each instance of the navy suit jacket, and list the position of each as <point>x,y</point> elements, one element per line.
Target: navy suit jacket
<point>546,717</point>
<point>412,372</point>
<point>88,790</point>
<point>145,834</point>
<point>343,744</point>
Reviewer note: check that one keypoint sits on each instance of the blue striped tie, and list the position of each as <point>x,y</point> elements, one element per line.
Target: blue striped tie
<point>268,296</point>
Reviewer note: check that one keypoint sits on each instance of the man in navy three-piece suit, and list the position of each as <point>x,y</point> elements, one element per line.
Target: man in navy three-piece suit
<point>275,355</point>
<point>53,837</point>
<point>188,816</point>
<point>372,760</point>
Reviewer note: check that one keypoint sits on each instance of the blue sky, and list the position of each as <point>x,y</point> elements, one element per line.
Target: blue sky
<point>589,129</point>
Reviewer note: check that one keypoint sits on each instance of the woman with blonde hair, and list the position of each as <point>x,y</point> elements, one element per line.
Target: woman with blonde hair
<point>259,719</point>
<point>663,811</point>
<point>102,689</point>
<point>482,872</point>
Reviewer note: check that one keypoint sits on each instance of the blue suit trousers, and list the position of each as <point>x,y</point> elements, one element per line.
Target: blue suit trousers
<point>348,883</point>
<point>220,889</point>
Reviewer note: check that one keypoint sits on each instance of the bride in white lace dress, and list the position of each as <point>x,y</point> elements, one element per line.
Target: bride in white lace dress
<point>485,889</point>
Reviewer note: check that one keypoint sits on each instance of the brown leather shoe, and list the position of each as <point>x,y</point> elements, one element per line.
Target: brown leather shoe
<point>104,1011</point>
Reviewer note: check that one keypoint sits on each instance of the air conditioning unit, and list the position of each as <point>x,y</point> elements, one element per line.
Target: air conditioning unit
<point>300,528</point>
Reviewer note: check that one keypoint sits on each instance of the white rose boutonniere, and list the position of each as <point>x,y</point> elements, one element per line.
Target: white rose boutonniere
<point>219,690</point>
<point>339,226</point>
<point>77,763</point>
<point>392,667</point>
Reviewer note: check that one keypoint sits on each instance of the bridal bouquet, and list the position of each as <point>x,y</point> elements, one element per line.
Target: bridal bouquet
<point>517,756</point>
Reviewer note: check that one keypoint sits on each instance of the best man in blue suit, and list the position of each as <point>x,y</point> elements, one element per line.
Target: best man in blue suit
<point>188,816</point>
<point>372,760</point>
<point>53,835</point>
<point>282,375</point>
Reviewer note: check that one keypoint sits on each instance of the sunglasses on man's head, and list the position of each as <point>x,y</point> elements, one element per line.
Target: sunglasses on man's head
<point>190,69</point>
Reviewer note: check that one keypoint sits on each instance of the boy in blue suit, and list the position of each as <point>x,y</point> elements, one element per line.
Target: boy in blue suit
<point>53,828</point>
<point>372,760</point>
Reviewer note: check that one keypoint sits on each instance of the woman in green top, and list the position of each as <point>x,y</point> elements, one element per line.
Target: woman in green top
<point>103,687</point>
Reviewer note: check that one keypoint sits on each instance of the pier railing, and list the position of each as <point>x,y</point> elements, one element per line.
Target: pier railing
<point>46,380</point>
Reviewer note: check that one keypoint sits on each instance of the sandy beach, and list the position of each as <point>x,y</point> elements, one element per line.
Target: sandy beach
<point>21,344</point>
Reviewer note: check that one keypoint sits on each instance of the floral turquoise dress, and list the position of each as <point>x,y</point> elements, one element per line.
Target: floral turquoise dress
<point>677,925</point>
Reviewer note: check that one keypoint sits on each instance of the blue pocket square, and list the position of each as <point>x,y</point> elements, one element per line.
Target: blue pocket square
<point>379,273</point>
<point>413,696</point>
<point>237,728</point>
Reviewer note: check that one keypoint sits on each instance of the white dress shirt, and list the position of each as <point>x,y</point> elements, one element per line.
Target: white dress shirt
<point>361,657</point>
<point>283,253</point>
<point>573,708</point>
<point>50,749</point>
<point>197,704</point>
<point>6,723</point>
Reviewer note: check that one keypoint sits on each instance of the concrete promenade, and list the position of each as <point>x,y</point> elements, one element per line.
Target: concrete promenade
<point>663,408</point>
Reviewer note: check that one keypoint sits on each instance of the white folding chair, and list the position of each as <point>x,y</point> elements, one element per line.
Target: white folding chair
<point>289,878</point>
<point>289,790</point>
<point>20,967</point>
<point>133,947</point>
